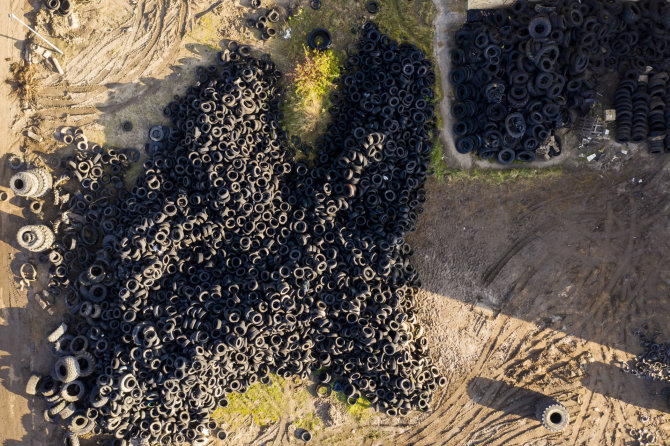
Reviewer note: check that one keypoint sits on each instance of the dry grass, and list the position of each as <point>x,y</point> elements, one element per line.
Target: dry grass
<point>23,81</point>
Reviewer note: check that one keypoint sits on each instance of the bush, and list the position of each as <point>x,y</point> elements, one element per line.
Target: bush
<point>310,82</point>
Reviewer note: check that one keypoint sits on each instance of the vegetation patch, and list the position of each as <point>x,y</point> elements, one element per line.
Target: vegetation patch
<point>406,22</point>
<point>498,176</point>
<point>360,412</point>
<point>23,81</point>
<point>310,82</point>
<point>265,404</point>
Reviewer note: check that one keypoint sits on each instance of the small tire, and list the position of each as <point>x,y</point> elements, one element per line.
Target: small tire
<point>552,415</point>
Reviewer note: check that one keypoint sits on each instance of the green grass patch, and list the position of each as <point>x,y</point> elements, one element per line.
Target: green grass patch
<point>498,176</point>
<point>437,164</point>
<point>263,404</point>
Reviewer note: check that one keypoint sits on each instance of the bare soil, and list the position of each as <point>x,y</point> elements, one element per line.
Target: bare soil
<point>529,288</point>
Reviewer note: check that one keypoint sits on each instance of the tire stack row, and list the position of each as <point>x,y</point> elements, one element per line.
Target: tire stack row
<point>521,73</point>
<point>640,124</point>
<point>641,105</point>
<point>656,117</point>
<point>228,261</point>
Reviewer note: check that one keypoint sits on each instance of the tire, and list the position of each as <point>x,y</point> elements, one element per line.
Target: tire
<point>505,156</point>
<point>67,411</point>
<point>57,333</point>
<point>319,39</point>
<point>73,391</point>
<point>35,238</point>
<point>552,415</point>
<point>66,369</point>
<point>70,439</point>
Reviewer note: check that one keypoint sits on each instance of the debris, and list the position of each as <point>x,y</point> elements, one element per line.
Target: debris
<point>57,65</point>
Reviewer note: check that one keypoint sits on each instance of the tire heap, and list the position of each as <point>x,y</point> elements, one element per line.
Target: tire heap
<point>520,73</point>
<point>227,260</point>
<point>641,104</point>
<point>653,364</point>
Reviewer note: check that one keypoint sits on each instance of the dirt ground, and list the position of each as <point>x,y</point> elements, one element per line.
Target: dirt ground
<point>529,287</point>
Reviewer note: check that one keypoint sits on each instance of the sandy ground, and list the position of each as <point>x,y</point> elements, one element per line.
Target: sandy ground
<point>21,324</point>
<point>528,288</point>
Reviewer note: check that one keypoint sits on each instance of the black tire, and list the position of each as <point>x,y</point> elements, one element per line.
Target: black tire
<point>506,156</point>
<point>319,39</point>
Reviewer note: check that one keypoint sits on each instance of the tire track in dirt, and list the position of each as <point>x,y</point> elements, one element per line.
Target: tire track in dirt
<point>459,406</point>
<point>138,58</point>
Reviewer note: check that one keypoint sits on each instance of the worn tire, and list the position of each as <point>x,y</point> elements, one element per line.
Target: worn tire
<point>31,385</point>
<point>66,369</point>
<point>57,333</point>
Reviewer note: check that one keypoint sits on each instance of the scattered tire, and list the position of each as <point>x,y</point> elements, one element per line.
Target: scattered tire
<point>553,416</point>
<point>372,7</point>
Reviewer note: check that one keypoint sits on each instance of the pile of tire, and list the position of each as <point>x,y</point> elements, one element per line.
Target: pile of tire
<point>653,364</point>
<point>521,73</point>
<point>228,261</point>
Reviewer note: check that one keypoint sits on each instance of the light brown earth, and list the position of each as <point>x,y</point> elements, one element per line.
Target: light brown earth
<point>529,287</point>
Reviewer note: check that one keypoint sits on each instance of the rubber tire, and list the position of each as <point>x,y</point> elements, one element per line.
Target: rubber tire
<point>314,35</point>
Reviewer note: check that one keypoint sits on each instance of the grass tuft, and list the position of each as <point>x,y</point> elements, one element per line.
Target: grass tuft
<point>403,21</point>
<point>361,411</point>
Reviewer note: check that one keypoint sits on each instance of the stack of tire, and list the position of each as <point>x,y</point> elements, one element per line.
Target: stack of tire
<point>656,117</point>
<point>228,261</point>
<point>33,183</point>
<point>640,98</point>
<point>623,105</point>
<point>521,73</point>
